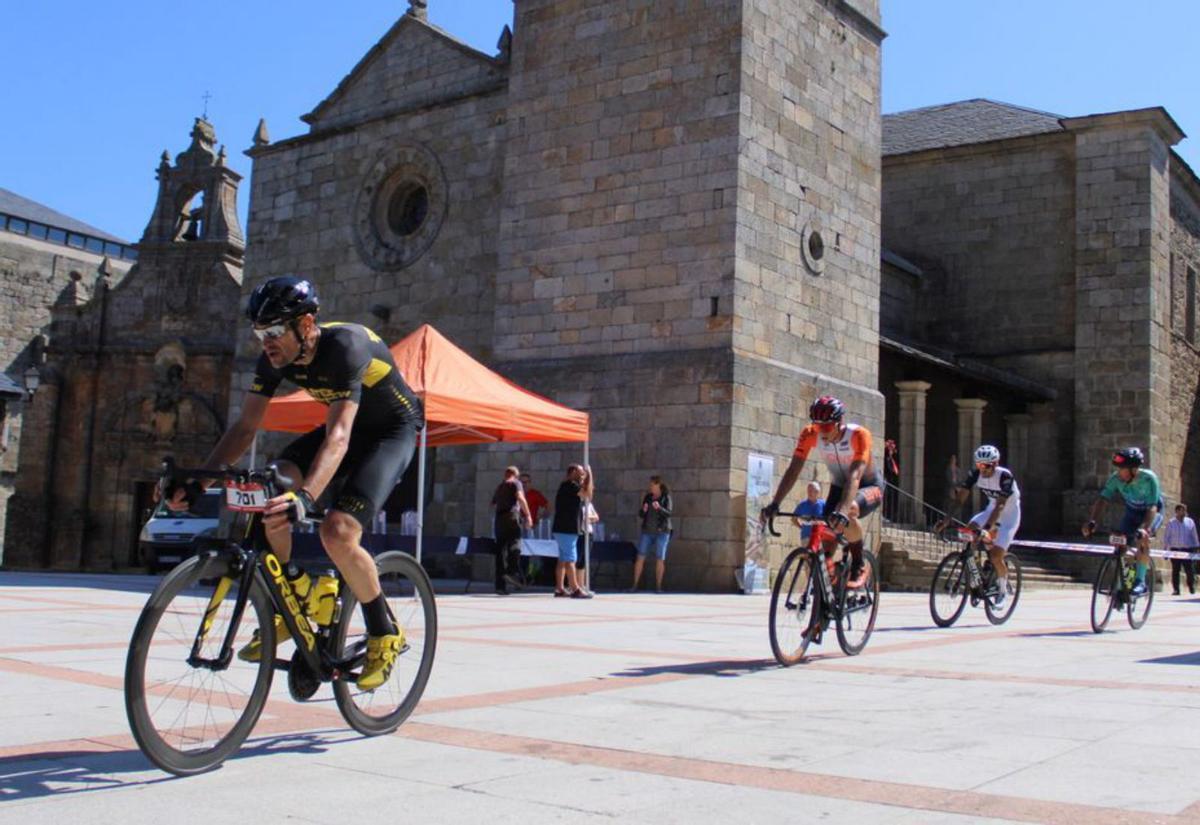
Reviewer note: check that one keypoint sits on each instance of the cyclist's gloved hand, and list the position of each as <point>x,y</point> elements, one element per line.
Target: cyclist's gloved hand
<point>300,504</point>
<point>838,520</point>
<point>1143,534</point>
<point>769,512</point>
<point>181,495</point>
<point>1090,527</point>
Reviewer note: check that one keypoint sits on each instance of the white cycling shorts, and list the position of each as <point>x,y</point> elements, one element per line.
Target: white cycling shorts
<point>1006,527</point>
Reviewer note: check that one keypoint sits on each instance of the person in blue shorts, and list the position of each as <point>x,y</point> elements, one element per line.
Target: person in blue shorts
<point>1138,487</point>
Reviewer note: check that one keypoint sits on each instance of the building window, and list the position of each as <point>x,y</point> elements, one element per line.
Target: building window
<point>1190,322</point>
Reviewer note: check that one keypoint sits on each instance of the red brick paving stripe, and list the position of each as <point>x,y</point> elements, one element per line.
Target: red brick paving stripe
<point>293,718</point>
<point>891,794</point>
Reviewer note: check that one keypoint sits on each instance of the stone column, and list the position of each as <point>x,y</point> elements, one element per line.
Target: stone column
<point>970,434</point>
<point>1017,438</point>
<point>911,446</point>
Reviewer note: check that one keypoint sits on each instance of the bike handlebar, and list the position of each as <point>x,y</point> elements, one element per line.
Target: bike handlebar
<point>266,475</point>
<point>770,525</point>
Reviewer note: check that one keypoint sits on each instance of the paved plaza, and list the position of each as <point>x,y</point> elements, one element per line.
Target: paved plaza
<point>641,708</point>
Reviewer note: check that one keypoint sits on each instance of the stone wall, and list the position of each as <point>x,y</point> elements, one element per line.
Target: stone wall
<point>616,250</point>
<point>995,223</point>
<point>1184,438</point>
<point>807,279</point>
<point>1121,365</point>
<point>34,275</point>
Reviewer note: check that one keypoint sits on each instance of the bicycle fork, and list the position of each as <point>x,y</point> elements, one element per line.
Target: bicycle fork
<point>241,566</point>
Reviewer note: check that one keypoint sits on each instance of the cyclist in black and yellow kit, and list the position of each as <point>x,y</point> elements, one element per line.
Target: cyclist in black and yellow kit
<point>363,448</point>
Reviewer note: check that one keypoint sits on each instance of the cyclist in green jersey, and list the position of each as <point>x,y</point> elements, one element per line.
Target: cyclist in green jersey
<point>1139,489</point>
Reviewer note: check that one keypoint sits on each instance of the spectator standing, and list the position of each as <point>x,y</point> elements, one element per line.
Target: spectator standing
<point>656,532</point>
<point>512,511</point>
<point>891,474</point>
<point>1181,536</point>
<point>567,528</point>
<point>813,507</point>
<point>538,504</point>
<point>587,527</point>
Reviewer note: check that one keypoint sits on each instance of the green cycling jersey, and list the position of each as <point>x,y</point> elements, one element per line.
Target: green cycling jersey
<point>1141,493</point>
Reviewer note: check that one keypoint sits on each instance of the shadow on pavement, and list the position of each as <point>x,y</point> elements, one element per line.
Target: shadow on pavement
<point>1063,634</point>
<point>60,773</point>
<point>718,667</point>
<point>1178,659</point>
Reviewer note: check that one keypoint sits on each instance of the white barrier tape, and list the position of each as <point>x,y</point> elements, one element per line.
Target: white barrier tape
<point>1101,549</point>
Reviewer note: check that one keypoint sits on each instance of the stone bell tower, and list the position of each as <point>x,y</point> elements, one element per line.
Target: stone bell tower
<point>194,229</point>
<point>138,369</point>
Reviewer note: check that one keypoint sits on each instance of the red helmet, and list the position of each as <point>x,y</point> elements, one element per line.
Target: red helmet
<point>826,409</point>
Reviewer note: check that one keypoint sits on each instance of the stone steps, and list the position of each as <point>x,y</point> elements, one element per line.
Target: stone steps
<point>913,572</point>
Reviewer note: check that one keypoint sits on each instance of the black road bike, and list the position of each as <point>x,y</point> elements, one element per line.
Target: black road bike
<point>968,574</point>
<point>810,593</point>
<point>191,701</point>
<point>1113,589</point>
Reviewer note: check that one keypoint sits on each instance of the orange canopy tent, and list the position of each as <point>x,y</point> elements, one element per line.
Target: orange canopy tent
<point>465,403</point>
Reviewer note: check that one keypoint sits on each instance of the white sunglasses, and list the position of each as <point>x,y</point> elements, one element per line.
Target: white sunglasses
<point>271,332</point>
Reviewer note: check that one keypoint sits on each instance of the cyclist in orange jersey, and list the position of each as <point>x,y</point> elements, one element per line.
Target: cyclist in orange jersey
<point>854,491</point>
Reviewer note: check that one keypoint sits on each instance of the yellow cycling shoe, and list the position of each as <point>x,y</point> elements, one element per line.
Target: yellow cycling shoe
<point>252,652</point>
<point>381,656</point>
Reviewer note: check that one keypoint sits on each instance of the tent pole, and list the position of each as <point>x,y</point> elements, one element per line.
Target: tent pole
<point>587,534</point>
<point>421,490</point>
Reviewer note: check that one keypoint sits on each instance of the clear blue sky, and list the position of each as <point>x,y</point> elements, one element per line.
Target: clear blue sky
<point>94,92</point>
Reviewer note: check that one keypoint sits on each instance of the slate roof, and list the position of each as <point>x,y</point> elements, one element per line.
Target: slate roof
<point>10,388</point>
<point>962,123</point>
<point>13,204</point>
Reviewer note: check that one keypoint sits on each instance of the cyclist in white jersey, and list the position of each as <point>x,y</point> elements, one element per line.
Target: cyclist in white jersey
<point>1001,518</point>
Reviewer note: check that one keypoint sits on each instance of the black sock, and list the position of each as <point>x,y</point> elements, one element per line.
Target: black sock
<point>375,614</point>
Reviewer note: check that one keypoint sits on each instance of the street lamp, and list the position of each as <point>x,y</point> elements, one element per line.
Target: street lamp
<point>33,378</point>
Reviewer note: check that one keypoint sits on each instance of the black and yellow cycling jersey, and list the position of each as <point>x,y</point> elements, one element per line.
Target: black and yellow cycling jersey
<point>351,363</point>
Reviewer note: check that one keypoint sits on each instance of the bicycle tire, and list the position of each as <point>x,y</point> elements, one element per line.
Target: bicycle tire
<point>404,582</point>
<point>1013,582</point>
<point>791,620</point>
<point>847,611</point>
<point>1104,591</point>
<point>1137,610</point>
<point>950,583</point>
<point>159,646</point>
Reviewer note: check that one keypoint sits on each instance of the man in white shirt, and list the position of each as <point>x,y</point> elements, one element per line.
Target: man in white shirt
<point>1181,536</point>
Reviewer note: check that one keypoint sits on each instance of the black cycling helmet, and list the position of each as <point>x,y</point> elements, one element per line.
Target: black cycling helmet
<point>1128,457</point>
<point>826,409</point>
<point>282,299</point>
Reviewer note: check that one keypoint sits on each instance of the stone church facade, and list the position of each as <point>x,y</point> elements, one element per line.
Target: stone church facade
<point>133,369</point>
<point>1039,286</point>
<point>46,259</point>
<point>666,214</point>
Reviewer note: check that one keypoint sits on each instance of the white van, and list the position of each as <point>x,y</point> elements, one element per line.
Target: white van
<point>169,537</point>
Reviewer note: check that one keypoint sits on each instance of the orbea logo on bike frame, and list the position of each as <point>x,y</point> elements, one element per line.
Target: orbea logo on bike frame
<point>289,598</point>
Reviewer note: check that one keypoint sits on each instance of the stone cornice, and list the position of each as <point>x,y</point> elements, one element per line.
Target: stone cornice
<point>1156,117</point>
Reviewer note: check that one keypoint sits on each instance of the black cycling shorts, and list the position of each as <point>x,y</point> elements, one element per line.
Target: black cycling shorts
<point>869,497</point>
<point>370,470</point>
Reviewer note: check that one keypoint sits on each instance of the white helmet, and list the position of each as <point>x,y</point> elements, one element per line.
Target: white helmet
<point>987,454</point>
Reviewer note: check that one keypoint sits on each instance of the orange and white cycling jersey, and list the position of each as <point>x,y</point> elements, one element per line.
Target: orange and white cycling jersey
<point>854,445</point>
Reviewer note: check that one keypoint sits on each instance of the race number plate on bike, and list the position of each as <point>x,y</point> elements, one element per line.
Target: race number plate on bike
<point>247,497</point>
<point>1117,540</point>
